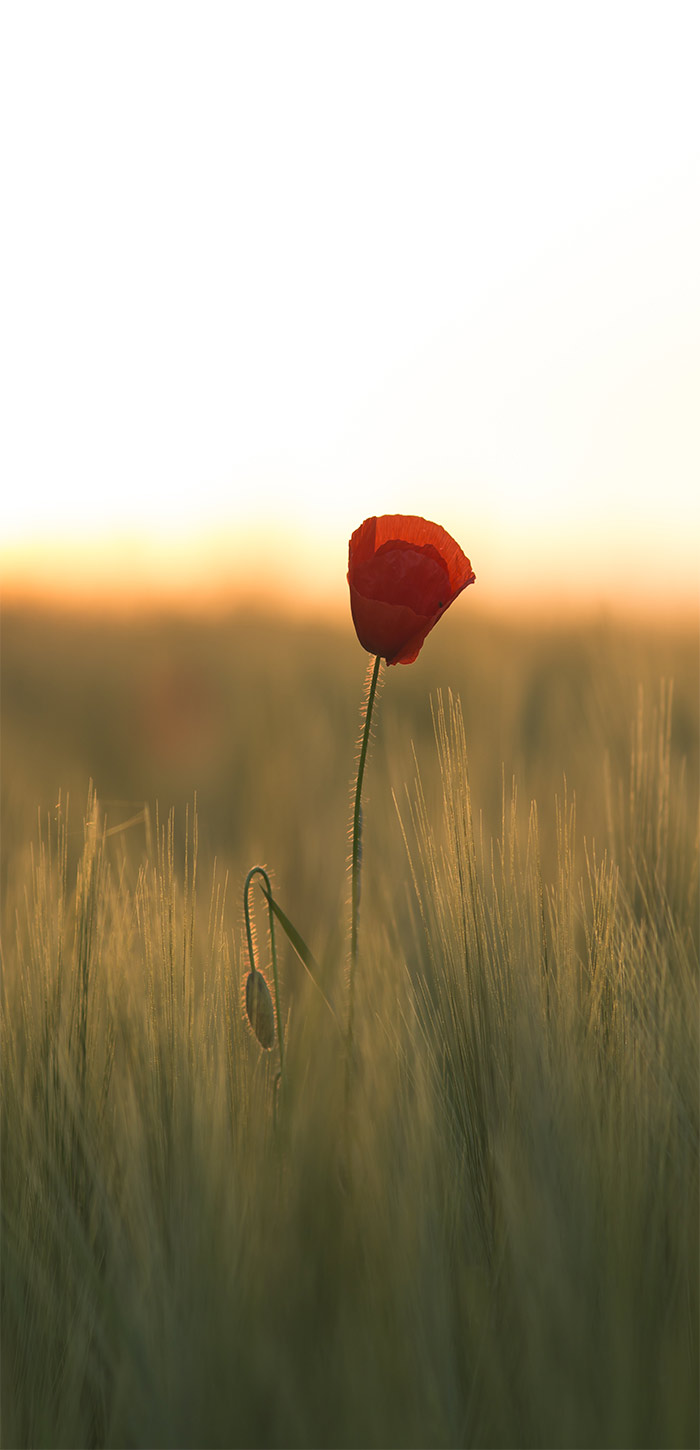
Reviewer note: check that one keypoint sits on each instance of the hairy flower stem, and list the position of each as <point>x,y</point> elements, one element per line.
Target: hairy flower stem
<point>372,678</point>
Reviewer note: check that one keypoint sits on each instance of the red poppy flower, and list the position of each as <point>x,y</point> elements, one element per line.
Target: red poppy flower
<point>403,574</point>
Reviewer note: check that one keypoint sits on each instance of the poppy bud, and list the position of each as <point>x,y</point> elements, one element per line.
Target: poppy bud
<point>403,572</point>
<point>258,1005</point>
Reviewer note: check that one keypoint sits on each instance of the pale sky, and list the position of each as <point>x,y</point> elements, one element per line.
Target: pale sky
<point>269,268</point>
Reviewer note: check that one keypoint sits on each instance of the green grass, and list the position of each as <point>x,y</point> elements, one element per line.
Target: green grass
<point>500,1247</point>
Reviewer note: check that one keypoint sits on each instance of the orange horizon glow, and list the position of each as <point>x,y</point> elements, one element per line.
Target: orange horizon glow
<point>274,312</point>
<point>273,571</point>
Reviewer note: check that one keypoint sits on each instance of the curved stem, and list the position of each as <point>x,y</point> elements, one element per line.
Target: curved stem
<point>357,850</point>
<point>260,871</point>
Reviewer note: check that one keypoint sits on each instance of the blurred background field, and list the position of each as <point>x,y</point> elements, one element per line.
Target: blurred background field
<point>255,718</point>
<point>258,715</point>
<point>499,1246</point>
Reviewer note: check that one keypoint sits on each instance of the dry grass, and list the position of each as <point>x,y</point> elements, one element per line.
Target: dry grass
<point>503,1249</point>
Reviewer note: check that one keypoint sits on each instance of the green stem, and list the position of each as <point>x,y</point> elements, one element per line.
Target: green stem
<point>260,871</point>
<point>372,676</point>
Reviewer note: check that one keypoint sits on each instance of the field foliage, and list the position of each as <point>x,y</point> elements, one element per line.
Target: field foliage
<point>496,1242</point>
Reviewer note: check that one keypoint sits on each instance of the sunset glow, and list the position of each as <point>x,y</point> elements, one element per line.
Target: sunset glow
<point>271,270</point>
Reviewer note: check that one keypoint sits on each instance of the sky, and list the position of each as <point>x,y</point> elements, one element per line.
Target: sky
<point>270,268</point>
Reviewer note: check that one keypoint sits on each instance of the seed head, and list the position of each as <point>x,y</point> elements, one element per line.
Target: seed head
<point>258,1005</point>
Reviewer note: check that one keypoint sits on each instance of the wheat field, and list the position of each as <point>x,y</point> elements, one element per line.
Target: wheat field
<point>495,1242</point>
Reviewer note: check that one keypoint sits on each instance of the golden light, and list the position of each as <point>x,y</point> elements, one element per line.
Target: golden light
<point>274,270</point>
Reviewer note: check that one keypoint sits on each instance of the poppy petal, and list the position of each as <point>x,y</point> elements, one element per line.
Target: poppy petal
<point>403,573</point>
